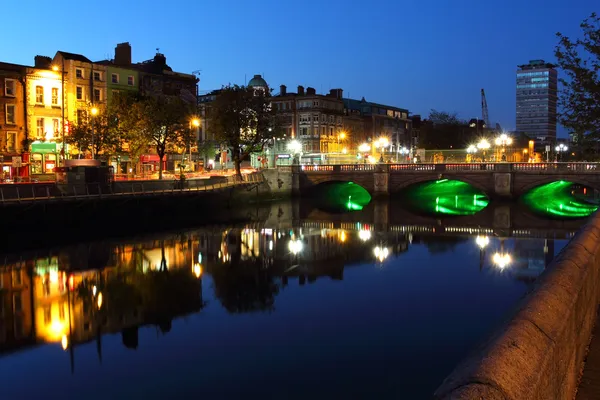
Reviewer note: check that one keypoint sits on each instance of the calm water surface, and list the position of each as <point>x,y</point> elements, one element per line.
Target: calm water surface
<point>298,304</point>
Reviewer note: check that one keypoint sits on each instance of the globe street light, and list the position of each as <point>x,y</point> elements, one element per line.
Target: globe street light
<point>363,148</point>
<point>483,145</point>
<point>561,148</point>
<point>381,143</point>
<point>503,140</point>
<point>341,136</point>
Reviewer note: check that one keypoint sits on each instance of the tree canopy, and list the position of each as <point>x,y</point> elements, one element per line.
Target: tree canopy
<point>579,99</point>
<point>242,118</point>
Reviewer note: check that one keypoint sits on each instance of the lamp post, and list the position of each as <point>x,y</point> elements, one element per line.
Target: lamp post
<point>381,143</point>
<point>195,122</point>
<point>483,145</point>
<point>561,148</point>
<point>503,140</point>
<point>471,150</point>
<point>341,136</point>
<point>94,111</point>
<point>62,107</point>
<point>403,151</point>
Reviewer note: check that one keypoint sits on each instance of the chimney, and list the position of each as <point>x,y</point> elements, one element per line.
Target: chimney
<point>160,59</point>
<point>300,90</point>
<point>282,90</point>
<point>123,54</point>
<point>311,91</point>
<point>42,62</point>
<point>337,93</point>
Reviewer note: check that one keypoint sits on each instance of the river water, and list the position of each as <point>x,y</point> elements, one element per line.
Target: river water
<point>296,303</point>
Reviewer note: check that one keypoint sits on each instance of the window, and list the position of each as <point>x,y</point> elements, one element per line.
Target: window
<point>54,96</point>
<point>10,87</point>
<point>79,73</point>
<point>47,315</point>
<point>130,80</point>
<point>97,95</point>
<point>79,93</point>
<point>11,115</point>
<point>40,127</point>
<point>55,126</point>
<point>17,302</point>
<point>114,78</point>
<point>97,76</point>
<point>39,95</point>
<point>11,141</point>
<point>17,278</point>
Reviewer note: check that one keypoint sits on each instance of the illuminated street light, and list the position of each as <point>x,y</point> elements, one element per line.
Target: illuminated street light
<point>503,140</point>
<point>472,149</point>
<point>381,253</point>
<point>483,145</point>
<point>363,148</point>
<point>294,146</point>
<point>561,148</point>
<point>501,260</point>
<point>196,122</point>
<point>382,143</point>
<point>94,111</point>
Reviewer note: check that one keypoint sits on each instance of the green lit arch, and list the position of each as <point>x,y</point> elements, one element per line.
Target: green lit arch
<point>404,184</point>
<point>341,195</point>
<point>445,197</point>
<point>552,199</point>
<point>574,179</point>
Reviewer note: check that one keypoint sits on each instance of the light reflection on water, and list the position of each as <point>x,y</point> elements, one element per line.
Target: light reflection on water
<point>378,308</point>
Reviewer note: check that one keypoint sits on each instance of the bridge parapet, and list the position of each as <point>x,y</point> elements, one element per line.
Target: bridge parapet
<point>495,179</point>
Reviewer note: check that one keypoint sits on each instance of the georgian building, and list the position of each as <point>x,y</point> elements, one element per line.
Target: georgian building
<point>316,120</point>
<point>13,129</point>
<point>380,121</point>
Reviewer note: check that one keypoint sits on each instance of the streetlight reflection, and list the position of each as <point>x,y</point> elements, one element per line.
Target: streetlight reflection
<point>197,270</point>
<point>381,253</point>
<point>295,246</point>
<point>502,260</point>
<point>482,241</point>
<point>364,235</point>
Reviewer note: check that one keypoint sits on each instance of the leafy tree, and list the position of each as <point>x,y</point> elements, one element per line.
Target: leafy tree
<point>164,121</point>
<point>127,110</point>
<point>444,118</point>
<point>580,95</point>
<point>95,134</point>
<point>243,119</point>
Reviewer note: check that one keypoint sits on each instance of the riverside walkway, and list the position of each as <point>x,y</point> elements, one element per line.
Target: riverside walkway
<point>53,192</point>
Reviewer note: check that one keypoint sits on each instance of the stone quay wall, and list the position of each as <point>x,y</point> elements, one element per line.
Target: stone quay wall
<point>539,351</point>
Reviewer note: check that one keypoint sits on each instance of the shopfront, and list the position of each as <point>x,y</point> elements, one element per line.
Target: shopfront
<point>150,163</point>
<point>43,158</point>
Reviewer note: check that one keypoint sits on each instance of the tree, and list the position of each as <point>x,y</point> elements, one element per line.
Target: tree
<point>164,121</point>
<point>243,119</point>
<point>579,98</point>
<point>444,118</point>
<point>127,110</point>
<point>96,134</point>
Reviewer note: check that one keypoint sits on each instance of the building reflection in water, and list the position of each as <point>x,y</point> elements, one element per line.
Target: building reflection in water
<point>76,295</point>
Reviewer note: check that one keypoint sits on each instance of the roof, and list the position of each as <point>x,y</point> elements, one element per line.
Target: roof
<point>12,67</point>
<point>73,56</point>
<point>258,81</point>
<point>354,104</point>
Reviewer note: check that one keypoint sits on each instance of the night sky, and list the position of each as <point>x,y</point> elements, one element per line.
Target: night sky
<point>415,54</point>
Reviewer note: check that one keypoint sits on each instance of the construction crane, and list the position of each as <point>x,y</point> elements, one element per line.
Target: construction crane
<point>484,110</point>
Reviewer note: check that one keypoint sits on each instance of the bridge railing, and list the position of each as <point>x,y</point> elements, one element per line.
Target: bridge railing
<point>548,167</point>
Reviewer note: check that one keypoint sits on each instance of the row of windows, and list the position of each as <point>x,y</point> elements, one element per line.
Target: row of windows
<point>529,74</point>
<point>533,86</point>
<point>304,131</point>
<point>115,79</point>
<point>546,79</point>
<point>39,95</point>
<point>315,118</point>
<point>317,103</point>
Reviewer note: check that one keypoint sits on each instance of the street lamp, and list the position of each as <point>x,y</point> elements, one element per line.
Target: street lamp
<point>561,148</point>
<point>483,145</point>
<point>381,143</point>
<point>94,111</point>
<point>62,106</point>
<point>503,140</point>
<point>341,136</point>
<point>363,148</point>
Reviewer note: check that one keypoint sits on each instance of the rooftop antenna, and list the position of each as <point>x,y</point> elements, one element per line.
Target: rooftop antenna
<point>158,50</point>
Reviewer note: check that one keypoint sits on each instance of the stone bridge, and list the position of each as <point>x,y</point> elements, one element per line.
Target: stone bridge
<point>499,180</point>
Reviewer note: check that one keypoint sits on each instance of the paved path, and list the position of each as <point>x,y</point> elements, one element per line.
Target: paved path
<point>589,387</point>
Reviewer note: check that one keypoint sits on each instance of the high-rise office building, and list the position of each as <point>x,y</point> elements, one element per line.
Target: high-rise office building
<point>536,100</point>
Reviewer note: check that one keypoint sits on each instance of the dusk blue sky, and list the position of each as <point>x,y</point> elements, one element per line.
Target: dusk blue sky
<point>415,54</point>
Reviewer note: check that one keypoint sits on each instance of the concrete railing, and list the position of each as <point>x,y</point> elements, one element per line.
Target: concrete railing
<point>539,352</point>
